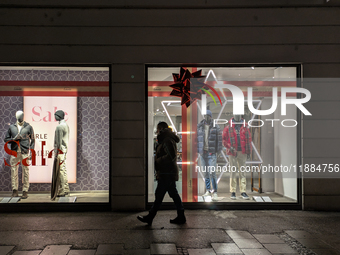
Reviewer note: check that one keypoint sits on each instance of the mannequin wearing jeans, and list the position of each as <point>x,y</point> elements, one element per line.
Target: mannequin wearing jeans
<point>22,136</point>
<point>209,145</point>
<point>61,138</point>
<point>237,140</point>
<point>207,160</point>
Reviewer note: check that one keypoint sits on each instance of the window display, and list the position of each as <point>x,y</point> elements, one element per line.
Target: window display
<point>238,129</point>
<point>55,126</point>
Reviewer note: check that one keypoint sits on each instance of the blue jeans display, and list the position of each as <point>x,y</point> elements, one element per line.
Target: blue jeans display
<point>207,160</point>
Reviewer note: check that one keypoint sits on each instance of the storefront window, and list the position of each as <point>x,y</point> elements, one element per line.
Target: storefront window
<point>48,108</point>
<point>230,149</point>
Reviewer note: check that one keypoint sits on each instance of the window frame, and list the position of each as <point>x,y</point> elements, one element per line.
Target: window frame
<point>231,205</point>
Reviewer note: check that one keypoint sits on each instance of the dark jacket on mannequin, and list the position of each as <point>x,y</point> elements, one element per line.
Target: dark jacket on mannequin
<point>27,142</point>
<point>214,138</point>
<point>166,155</point>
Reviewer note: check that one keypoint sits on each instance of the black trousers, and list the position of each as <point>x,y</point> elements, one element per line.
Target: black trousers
<point>164,186</point>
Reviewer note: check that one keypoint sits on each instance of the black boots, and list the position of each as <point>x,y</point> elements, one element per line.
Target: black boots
<point>147,219</point>
<point>180,219</point>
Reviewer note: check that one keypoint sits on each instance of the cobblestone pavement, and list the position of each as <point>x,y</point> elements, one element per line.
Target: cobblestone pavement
<point>206,232</point>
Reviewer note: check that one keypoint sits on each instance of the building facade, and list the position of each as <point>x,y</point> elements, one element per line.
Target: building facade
<point>128,40</point>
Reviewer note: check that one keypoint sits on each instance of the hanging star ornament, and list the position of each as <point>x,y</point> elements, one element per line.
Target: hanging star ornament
<point>188,86</point>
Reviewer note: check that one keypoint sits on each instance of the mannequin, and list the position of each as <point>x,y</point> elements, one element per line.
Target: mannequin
<point>209,145</point>
<point>237,140</point>
<point>61,139</point>
<point>21,132</point>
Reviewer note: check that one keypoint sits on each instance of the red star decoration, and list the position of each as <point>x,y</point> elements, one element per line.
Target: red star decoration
<point>188,90</point>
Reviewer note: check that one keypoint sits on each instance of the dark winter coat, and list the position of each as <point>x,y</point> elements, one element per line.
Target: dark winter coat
<point>214,138</point>
<point>166,155</point>
<point>27,142</point>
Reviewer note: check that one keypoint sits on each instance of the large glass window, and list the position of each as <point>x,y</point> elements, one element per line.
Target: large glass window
<point>230,149</point>
<point>44,109</point>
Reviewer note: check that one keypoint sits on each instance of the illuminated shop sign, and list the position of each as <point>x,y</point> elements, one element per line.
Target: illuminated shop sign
<point>238,100</point>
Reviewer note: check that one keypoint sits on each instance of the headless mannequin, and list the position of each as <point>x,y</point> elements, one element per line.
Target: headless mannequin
<point>237,140</point>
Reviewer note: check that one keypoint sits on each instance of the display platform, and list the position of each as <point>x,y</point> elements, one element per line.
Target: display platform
<point>225,197</point>
<point>45,197</point>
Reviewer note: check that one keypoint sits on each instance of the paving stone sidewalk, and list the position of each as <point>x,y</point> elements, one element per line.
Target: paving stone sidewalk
<point>243,243</point>
<point>206,232</point>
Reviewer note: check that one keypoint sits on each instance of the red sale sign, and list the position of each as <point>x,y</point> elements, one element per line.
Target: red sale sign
<point>39,113</point>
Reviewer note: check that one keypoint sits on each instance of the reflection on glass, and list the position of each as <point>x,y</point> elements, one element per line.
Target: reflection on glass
<point>265,144</point>
<point>55,99</point>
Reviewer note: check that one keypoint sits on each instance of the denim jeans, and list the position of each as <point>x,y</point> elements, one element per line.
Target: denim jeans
<point>207,160</point>
<point>164,186</point>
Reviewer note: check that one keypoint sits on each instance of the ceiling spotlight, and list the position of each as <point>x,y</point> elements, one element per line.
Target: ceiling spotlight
<point>158,109</point>
<point>252,67</point>
<point>169,104</point>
